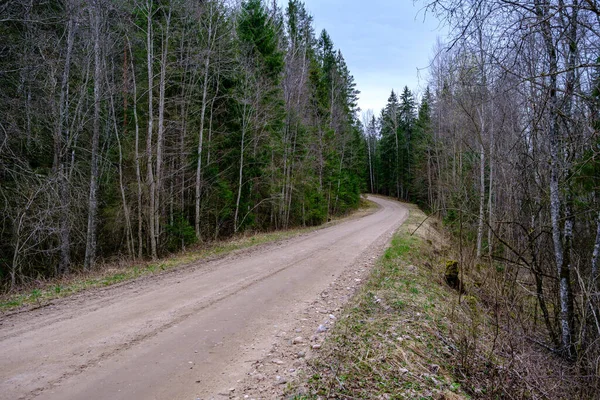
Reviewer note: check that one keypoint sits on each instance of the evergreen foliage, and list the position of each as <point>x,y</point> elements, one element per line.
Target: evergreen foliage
<point>213,118</point>
<point>398,151</point>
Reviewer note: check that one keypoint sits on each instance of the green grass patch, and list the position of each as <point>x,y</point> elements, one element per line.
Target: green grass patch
<point>408,335</point>
<point>390,342</point>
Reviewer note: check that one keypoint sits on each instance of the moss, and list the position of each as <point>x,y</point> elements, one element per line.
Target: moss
<point>451,275</point>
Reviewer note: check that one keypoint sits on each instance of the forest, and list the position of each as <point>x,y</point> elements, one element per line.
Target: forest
<point>136,128</point>
<point>504,147</point>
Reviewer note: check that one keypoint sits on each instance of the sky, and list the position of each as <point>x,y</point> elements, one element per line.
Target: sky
<point>387,44</point>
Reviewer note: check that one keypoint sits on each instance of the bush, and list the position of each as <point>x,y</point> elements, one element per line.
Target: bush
<point>180,234</point>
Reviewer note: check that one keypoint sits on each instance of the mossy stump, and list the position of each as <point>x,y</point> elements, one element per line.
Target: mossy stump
<point>451,275</point>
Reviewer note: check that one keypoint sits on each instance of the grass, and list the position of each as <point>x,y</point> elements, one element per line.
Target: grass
<point>394,339</point>
<point>43,292</point>
<point>408,335</point>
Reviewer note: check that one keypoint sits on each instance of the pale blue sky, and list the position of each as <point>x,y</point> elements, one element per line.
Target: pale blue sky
<point>384,42</point>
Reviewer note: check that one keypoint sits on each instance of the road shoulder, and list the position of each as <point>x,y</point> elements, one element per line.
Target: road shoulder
<point>296,345</point>
<point>391,339</point>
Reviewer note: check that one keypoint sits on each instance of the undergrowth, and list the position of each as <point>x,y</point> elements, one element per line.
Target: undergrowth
<point>408,335</point>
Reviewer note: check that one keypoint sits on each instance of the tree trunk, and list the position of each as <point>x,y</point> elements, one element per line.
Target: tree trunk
<point>595,256</point>
<point>149,167</point>
<point>491,185</point>
<point>210,120</point>
<point>241,170</point>
<point>62,139</point>
<point>555,201</point>
<point>160,138</point>
<point>138,173</point>
<point>201,136</point>
<point>90,248</point>
<point>397,173</point>
<point>481,200</point>
<point>370,163</point>
<point>482,129</point>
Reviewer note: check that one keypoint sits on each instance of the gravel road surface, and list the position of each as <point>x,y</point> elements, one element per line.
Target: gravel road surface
<point>189,334</point>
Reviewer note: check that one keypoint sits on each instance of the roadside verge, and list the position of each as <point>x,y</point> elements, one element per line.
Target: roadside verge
<point>394,339</point>
<point>124,271</point>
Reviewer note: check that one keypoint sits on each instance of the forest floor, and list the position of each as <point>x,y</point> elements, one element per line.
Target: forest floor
<point>39,293</point>
<point>200,331</point>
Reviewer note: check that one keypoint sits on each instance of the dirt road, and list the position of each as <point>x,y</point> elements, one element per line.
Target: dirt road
<point>184,335</point>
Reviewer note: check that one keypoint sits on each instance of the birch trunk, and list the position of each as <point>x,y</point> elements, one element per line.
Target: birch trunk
<point>201,135</point>
<point>138,173</point>
<point>91,242</point>
<point>370,162</point>
<point>160,138</point>
<point>482,130</point>
<point>555,200</point>
<point>149,167</point>
<point>491,186</point>
<point>241,170</point>
<point>62,138</point>
<point>210,120</point>
<point>397,161</point>
<point>481,200</point>
<point>595,256</point>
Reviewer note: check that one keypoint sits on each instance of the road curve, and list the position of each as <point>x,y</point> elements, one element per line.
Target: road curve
<point>181,335</point>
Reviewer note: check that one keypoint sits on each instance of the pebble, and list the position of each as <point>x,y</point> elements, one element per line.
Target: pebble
<point>321,329</point>
<point>331,316</point>
<point>316,346</point>
<point>297,340</point>
<point>277,361</point>
<point>403,371</point>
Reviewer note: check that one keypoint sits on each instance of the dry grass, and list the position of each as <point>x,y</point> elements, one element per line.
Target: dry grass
<point>391,342</point>
<point>407,335</point>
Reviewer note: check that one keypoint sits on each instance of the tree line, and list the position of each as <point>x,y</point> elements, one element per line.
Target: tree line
<point>135,128</point>
<point>505,148</point>
<point>396,142</point>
